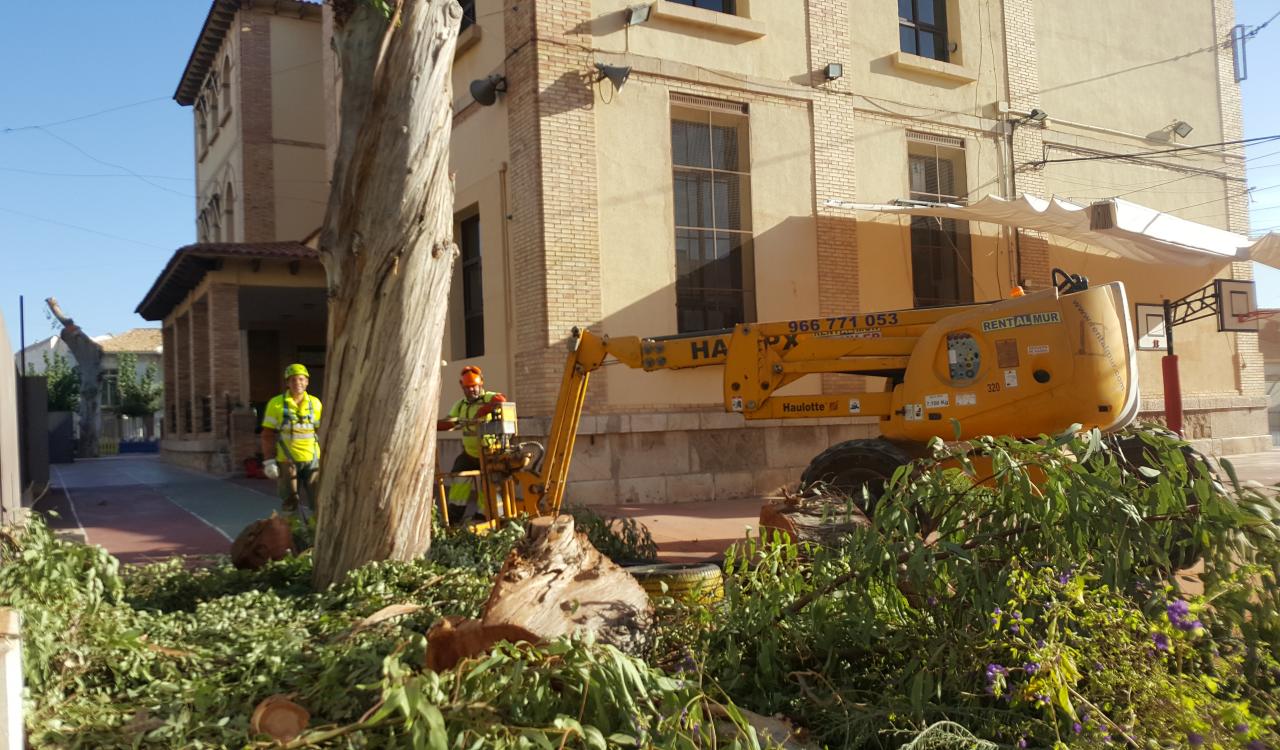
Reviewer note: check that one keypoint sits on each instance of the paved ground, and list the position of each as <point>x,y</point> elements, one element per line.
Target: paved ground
<point>140,508</point>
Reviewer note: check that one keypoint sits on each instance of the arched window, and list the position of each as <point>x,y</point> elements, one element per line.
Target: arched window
<point>211,92</point>
<point>215,218</point>
<point>202,123</point>
<point>202,226</point>
<point>227,102</point>
<point>229,213</point>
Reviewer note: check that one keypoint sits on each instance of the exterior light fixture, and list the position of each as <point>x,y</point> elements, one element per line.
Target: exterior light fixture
<point>616,74</point>
<point>485,90</point>
<point>833,71</point>
<point>637,14</point>
<point>1035,115</point>
<point>1182,128</point>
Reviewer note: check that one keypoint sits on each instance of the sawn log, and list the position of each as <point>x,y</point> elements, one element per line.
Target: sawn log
<point>554,583</point>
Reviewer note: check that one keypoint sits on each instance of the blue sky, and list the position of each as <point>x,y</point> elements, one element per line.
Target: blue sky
<point>91,210</point>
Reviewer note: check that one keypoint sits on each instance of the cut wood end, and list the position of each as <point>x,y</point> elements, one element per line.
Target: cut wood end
<point>279,718</point>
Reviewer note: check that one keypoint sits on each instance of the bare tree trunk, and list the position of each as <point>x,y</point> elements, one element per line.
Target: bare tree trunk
<point>88,356</point>
<point>388,250</point>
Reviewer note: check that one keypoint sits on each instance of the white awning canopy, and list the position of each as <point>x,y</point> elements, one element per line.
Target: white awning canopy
<point>1114,227</point>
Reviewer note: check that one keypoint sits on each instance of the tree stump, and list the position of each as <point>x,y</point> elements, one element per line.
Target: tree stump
<point>554,583</point>
<point>262,542</point>
<point>813,517</point>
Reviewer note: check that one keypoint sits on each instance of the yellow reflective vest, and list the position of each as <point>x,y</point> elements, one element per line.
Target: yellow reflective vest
<point>296,425</point>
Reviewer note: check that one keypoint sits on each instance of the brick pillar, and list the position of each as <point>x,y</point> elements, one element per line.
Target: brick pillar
<point>224,353</point>
<point>169,359</point>
<point>200,388</point>
<point>1022,67</point>
<point>833,170</point>
<point>555,237</point>
<point>182,368</point>
<point>258,165</point>
<point>1252,378</point>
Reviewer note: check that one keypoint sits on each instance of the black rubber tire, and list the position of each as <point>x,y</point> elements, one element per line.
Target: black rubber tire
<point>698,581</point>
<point>1133,452</point>
<point>850,466</point>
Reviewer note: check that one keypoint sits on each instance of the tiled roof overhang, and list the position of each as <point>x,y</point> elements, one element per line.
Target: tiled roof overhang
<point>221,14</point>
<point>189,265</point>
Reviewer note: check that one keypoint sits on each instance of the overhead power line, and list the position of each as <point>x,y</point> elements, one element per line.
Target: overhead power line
<point>83,117</point>
<point>1134,154</point>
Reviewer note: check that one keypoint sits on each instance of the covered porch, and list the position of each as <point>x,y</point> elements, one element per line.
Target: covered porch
<point>234,315</point>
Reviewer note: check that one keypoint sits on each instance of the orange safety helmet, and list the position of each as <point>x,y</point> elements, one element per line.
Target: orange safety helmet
<point>471,375</point>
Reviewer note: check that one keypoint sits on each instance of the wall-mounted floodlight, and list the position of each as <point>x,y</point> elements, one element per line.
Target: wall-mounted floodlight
<point>616,74</point>
<point>485,90</point>
<point>833,71</point>
<point>1037,115</point>
<point>1182,128</point>
<point>638,14</point>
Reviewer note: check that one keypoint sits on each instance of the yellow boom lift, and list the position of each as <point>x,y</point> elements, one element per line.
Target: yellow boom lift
<point>1030,365</point>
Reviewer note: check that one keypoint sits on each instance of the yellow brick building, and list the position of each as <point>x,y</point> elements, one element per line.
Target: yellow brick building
<point>704,191</point>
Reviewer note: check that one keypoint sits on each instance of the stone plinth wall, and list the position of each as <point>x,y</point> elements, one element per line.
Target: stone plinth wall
<point>684,456</point>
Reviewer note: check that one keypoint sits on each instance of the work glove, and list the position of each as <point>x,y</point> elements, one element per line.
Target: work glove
<point>270,468</point>
<point>444,424</point>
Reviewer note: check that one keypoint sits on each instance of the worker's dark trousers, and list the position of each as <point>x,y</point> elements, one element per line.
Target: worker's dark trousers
<point>459,512</point>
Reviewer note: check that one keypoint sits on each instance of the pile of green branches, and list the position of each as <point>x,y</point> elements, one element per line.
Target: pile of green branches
<point>1026,592</point>
<point>1008,594</point>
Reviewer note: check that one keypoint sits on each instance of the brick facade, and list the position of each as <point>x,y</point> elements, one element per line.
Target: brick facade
<point>257,170</point>
<point>1022,70</point>
<point>834,174</point>
<point>555,238</point>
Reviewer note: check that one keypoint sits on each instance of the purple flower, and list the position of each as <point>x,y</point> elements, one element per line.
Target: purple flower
<point>1031,667</point>
<point>1075,727</point>
<point>1161,640</point>
<point>1242,728</point>
<point>1022,742</point>
<point>1106,738</point>
<point>996,611</point>
<point>1064,578</point>
<point>1015,629</point>
<point>1255,745</point>
<point>933,601</point>
<point>1195,739</point>
<point>1177,609</point>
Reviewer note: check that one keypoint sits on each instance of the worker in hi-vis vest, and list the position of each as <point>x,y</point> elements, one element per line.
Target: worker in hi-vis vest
<point>475,405</point>
<point>289,426</point>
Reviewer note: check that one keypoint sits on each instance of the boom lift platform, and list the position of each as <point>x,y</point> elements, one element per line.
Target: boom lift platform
<point>1030,365</point>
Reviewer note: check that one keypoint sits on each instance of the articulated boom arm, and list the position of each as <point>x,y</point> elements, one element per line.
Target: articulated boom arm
<point>1025,366</point>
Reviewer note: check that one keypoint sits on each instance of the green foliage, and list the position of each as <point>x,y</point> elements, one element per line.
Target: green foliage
<point>139,396</point>
<point>64,382</point>
<point>1009,594</point>
<point>623,540</point>
<point>1019,589</point>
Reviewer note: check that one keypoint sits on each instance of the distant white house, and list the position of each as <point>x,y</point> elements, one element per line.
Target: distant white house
<point>144,343</point>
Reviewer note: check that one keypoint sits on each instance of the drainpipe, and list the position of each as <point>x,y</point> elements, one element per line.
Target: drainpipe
<point>508,276</point>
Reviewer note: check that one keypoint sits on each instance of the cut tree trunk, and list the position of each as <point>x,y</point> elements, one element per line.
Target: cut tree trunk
<point>816,518</point>
<point>554,583</point>
<point>88,354</point>
<point>388,251</point>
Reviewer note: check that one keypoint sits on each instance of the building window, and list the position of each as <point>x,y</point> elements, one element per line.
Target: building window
<point>225,94</point>
<point>472,287</point>
<point>202,124</point>
<point>720,6</point>
<point>941,261</point>
<point>715,268</point>
<point>922,28</point>
<point>468,14</point>
<point>229,215</point>
<point>213,88</point>
<point>109,396</point>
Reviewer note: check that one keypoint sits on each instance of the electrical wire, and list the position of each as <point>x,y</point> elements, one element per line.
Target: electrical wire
<point>1104,157</point>
<point>33,217</point>
<point>83,117</point>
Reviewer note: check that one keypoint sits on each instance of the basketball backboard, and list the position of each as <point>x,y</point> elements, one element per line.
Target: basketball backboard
<point>1151,331</point>
<point>1237,305</point>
